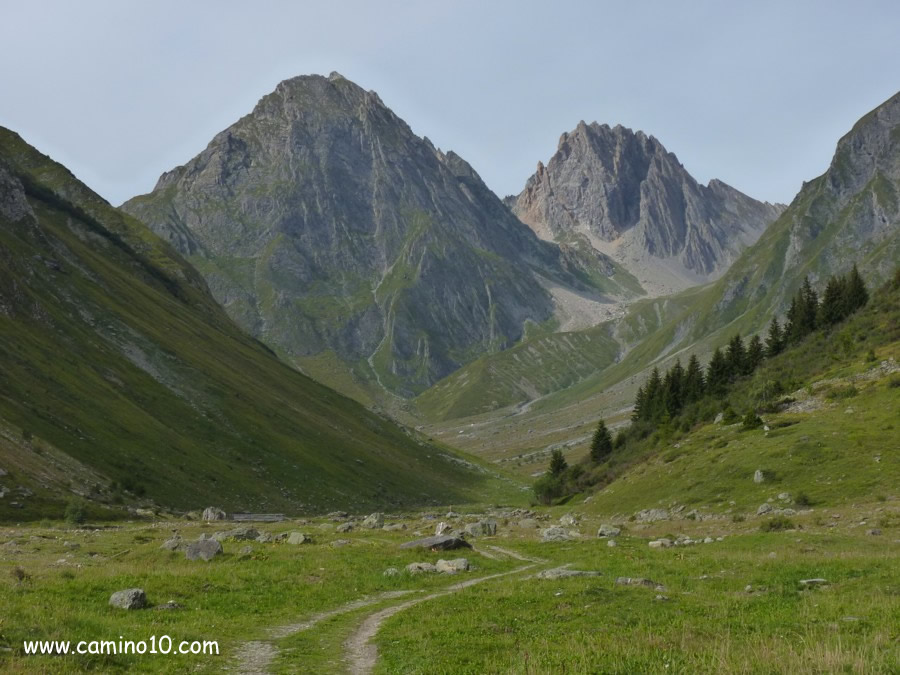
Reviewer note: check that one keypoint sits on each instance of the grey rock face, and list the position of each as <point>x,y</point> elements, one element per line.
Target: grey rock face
<point>203,549</point>
<point>213,513</point>
<point>320,221</point>
<point>130,598</point>
<point>614,185</point>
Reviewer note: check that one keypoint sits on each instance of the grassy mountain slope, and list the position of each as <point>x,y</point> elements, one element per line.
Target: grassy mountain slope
<point>120,377</point>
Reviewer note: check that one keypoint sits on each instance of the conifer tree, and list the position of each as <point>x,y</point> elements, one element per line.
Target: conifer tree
<point>736,357</point>
<point>855,295</point>
<point>834,302</point>
<point>654,397</point>
<point>717,374</point>
<point>694,383</point>
<point>673,387</point>
<point>809,308</point>
<point>601,444</point>
<point>558,463</point>
<point>755,355</point>
<point>775,339</point>
<point>793,324</point>
<point>640,405</point>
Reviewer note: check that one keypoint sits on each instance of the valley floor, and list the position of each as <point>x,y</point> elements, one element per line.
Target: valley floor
<point>737,603</point>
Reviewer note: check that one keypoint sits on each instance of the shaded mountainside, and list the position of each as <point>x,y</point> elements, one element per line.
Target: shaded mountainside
<point>325,226</point>
<point>629,197</point>
<point>849,214</point>
<point>121,378</point>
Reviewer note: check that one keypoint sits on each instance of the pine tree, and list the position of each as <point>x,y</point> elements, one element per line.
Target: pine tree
<point>834,301</point>
<point>717,374</point>
<point>557,463</point>
<point>810,307</point>
<point>775,339</point>
<point>654,397</point>
<point>755,355</point>
<point>855,295</point>
<point>736,357</point>
<point>601,444</point>
<point>673,387</point>
<point>694,383</point>
<point>640,405</point>
<point>793,326</point>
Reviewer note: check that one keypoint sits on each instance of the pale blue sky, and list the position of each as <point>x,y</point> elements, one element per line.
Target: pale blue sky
<point>755,93</point>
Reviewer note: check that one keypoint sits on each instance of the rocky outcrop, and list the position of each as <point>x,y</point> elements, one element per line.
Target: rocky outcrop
<point>629,197</point>
<point>322,223</point>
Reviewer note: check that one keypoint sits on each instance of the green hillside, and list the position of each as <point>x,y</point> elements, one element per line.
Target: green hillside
<point>122,380</point>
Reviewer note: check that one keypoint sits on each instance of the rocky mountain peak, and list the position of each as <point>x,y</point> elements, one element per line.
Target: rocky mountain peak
<point>632,199</point>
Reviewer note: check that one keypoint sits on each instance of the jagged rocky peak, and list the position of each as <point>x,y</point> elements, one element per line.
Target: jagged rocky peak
<point>324,224</point>
<point>635,201</point>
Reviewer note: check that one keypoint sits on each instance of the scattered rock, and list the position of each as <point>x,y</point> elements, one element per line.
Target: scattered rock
<point>452,566</point>
<point>639,581</point>
<point>374,521</point>
<point>661,598</point>
<point>203,549</point>
<point>130,598</point>
<point>213,513</point>
<point>874,532</point>
<point>341,542</point>
<point>608,531</point>
<point>420,567</point>
<point>660,543</point>
<point>809,583</point>
<point>326,527</point>
<point>785,496</point>
<point>265,538</point>
<point>763,509</point>
<point>708,540</point>
<point>443,528</point>
<point>297,538</point>
<point>391,572</point>
<point>611,543</point>
<point>758,476</point>
<point>170,605</point>
<point>651,515</point>
<point>569,520</point>
<point>238,533</point>
<point>483,528</point>
<point>75,545</point>
<point>344,527</point>
<point>176,543</point>
<point>564,572</point>
<point>246,550</point>
<point>556,534</point>
<point>338,515</point>
<point>529,524</point>
<point>442,543</point>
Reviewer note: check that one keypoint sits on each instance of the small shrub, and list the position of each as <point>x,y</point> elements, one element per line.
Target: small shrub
<point>842,392</point>
<point>75,512</point>
<point>547,488</point>
<point>870,356</point>
<point>752,421</point>
<point>728,415</point>
<point>20,575</point>
<point>803,499</point>
<point>777,524</point>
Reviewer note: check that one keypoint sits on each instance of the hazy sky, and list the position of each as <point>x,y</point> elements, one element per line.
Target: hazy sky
<point>755,93</point>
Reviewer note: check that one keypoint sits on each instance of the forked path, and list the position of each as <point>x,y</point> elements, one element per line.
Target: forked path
<point>361,653</point>
<point>255,657</point>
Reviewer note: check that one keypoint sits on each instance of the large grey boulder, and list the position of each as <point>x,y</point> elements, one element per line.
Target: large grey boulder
<point>174,543</point>
<point>763,509</point>
<point>483,528</point>
<point>452,566</point>
<point>442,543</point>
<point>297,538</point>
<point>374,521</point>
<point>608,531</point>
<point>203,549</point>
<point>345,527</point>
<point>213,513</point>
<point>556,534</point>
<point>130,598</point>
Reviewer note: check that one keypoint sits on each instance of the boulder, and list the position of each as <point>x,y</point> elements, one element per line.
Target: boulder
<point>651,515</point>
<point>556,534</point>
<point>809,583</point>
<point>265,538</point>
<point>203,549</point>
<point>130,598</point>
<point>611,543</point>
<point>639,581</point>
<point>296,538</point>
<point>175,543</point>
<point>442,543</point>
<point>758,476</point>
<point>483,528</point>
<point>391,572</point>
<point>608,531</point>
<point>529,524</point>
<point>874,532</point>
<point>563,573</point>
<point>238,533</point>
<point>660,543</point>
<point>374,521</point>
<point>443,528</point>
<point>213,513</point>
<point>394,527</point>
<point>345,527</point>
<point>452,566</point>
<point>763,509</point>
<point>420,567</point>
<point>569,520</point>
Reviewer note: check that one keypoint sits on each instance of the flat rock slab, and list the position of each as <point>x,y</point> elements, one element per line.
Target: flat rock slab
<point>438,543</point>
<point>563,573</point>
